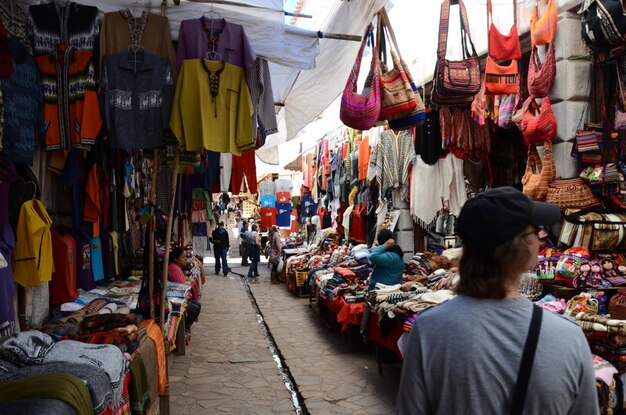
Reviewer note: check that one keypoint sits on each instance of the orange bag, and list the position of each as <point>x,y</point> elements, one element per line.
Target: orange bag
<point>543,29</point>
<point>500,79</point>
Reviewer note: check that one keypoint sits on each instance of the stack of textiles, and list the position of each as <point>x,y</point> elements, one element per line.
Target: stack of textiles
<point>405,299</point>
<point>605,383</point>
<point>607,338</point>
<point>36,349</point>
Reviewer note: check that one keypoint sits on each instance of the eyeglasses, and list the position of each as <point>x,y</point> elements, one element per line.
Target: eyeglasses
<point>537,230</point>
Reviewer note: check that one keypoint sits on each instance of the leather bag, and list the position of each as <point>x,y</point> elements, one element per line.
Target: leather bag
<point>538,174</point>
<point>500,79</point>
<point>361,111</point>
<point>397,96</point>
<point>504,47</point>
<point>543,28</point>
<point>537,128</point>
<point>455,82</point>
<point>541,76</point>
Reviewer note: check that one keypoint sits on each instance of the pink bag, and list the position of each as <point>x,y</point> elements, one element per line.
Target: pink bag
<point>361,111</point>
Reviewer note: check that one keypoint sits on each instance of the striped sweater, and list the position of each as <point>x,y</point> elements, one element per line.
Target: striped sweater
<point>71,109</point>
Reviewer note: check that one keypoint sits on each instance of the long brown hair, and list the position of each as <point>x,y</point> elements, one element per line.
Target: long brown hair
<point>485,274</point>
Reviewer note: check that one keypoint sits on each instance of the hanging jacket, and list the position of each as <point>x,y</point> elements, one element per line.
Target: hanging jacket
<point>33,247</point>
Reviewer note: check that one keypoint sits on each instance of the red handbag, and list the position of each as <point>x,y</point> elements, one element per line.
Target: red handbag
<point>538,128</point>
<point>504,47</point>
<point>541,76</point>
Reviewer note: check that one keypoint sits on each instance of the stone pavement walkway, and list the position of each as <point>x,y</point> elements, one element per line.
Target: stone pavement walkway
<point>229,368</point>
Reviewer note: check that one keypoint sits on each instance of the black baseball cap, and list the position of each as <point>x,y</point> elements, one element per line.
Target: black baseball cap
<point>496,216</point>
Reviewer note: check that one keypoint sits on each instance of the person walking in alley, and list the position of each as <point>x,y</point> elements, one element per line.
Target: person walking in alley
<point>254,251</point>
<point>221,244</point>
<point>242,227</point>
<point>489,350</point>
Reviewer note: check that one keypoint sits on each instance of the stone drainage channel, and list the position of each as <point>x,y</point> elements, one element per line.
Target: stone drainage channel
<point>290,383</point>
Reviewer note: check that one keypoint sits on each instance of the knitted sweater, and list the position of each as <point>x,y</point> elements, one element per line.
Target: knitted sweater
<point>75,25</point>
<point>137,99</point>
<point>71,108</point>
<point>23,106</point>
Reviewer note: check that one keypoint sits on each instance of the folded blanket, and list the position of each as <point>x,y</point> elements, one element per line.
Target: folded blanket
<point>94,378</point>
<point>61,386</point>
<point>105,322</point>
<point>27,348</point>
<point>104,356</point>
<point>138,390</point>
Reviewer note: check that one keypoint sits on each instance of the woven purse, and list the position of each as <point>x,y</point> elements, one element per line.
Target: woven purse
<point>537,128</point>
<point>361,111</point>
<point>571,194</point>
<point>500,79</point>
<point>541,75</point>
<point>455,82</point>
<point>538,174</point>
<point>543,29</point>
<point>506,109</point>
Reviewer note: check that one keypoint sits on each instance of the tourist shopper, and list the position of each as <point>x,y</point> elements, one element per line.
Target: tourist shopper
<point>465,355</point>
<point>175,273</point>
<point>274,253</point>
<point>388,260</point>
<point>254,251</point>
<point>221,244</point>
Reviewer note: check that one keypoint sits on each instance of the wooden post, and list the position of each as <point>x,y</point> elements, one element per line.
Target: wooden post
<point>168,237</point>
<point>155,171</point>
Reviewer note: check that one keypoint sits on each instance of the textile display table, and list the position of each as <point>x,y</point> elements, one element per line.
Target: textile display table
<point>385,341</point>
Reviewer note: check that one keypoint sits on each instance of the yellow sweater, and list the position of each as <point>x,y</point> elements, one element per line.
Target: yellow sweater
<point>33,246</point>
<point>221,124</point>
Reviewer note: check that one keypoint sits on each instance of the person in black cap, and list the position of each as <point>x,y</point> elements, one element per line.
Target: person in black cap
<point>221,245</point>
<point>465,355</point>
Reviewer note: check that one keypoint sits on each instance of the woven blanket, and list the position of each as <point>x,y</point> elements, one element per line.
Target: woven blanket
<point>95,379</point>
<point>138,388</point>
<point>27,348</point>
<point>104,356</point>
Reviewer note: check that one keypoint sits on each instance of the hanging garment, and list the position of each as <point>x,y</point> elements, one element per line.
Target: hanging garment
<point>226,170</point>
<point>33,247</point>
<point>151,31</point>
<point>244,165</point>
<point>268,217</point>
<point>262,97</point>
<point>212,115</point>
<point>92,209</point>
<point>84,276</point>
<point>75,25</point>
<point>71,108</point>
<point>432,186</point>
<point>394,155</point>
<point>267,188</point>
<point>504,47</point>
<point>227,39</point>
<point>7,177</point>
<point>15,19</point>
<point>63,283</point>
<point>364,158</point>
<point>283,214</point>
<point>137,99</point>
<point>268,201</point>
<point>7,284</point>
<point>428,143</point>
<point>346,221</point>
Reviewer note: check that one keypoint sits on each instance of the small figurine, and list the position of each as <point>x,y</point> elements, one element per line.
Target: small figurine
<point>621,270</point>
<point>595,277</point>
<point>608,265</point>
<point>584,272</point>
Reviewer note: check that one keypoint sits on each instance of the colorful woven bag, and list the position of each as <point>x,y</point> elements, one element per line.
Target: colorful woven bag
<point>541,76</point>
<point>543,29</point>
<point>455,82</point>
<point>506,109</point>
<point>538,174</point>
<point>504,47</point>
<point>571,194</point>
<point>361,111</point>
<point>500,79</point>
<point>538,128</point>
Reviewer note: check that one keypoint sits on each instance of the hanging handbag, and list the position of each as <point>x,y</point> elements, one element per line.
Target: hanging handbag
<point>504,47</point>
<point>538,128</point>
<point>418,114</point>
<point>543,29</point>
<point>619,123</point>
<point>596,229</point>
<point>397,96</point>
<point>603,23</point>
<point>571,194</point>
<point>455,82</point>
<point>541,76</point>
<point>538,174</point>
<point>500,79</point>
<point>361,111</point>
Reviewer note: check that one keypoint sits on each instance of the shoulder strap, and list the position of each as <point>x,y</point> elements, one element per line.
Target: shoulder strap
<point>526,365</point>
<point>443,29</point>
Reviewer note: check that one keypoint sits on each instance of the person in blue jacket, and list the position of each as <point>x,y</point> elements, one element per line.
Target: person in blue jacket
<point>388,260</point>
